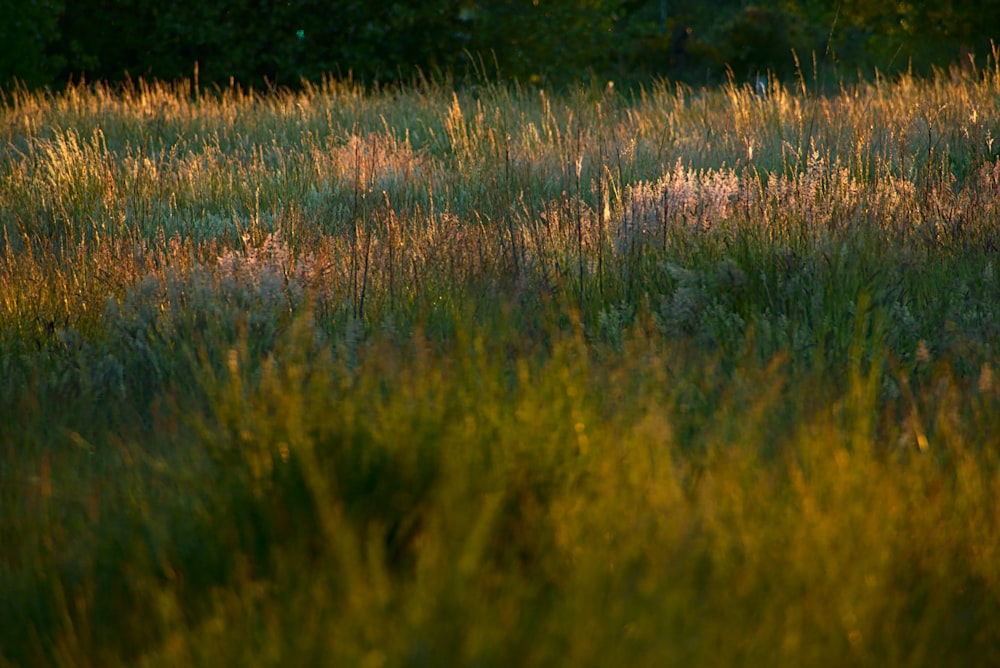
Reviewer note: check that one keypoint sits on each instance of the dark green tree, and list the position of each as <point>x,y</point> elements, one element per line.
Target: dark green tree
<point>28,29</point>
<point>894,35</point>
<point>253,41</point>
<point>262,42</point>
<point>548,39</point>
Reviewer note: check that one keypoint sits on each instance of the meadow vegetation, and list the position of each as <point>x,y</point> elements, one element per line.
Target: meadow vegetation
<point>498,376</point>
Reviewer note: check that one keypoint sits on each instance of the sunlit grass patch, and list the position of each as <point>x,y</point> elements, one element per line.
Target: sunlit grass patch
<point>500,376</point>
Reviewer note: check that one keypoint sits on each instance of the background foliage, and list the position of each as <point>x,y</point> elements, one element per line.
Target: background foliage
<point>253,41</point>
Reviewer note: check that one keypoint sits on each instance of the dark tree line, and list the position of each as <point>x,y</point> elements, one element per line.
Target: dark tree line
<point>258,42</point>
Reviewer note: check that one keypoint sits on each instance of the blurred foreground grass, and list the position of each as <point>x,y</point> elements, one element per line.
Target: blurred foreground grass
<point>495,377</point>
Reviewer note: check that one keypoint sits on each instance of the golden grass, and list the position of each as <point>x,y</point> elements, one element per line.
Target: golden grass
<point>500,377</point>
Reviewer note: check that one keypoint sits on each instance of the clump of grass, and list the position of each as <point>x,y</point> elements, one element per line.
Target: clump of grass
<point>498,376</point>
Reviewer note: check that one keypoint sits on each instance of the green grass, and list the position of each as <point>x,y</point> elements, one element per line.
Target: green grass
<point>501,377</point>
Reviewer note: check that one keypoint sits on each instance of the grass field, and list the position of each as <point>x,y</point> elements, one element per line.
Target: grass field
<point>501,377</point>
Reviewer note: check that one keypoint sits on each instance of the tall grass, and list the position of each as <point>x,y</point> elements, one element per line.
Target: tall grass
<point>497,376</point>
